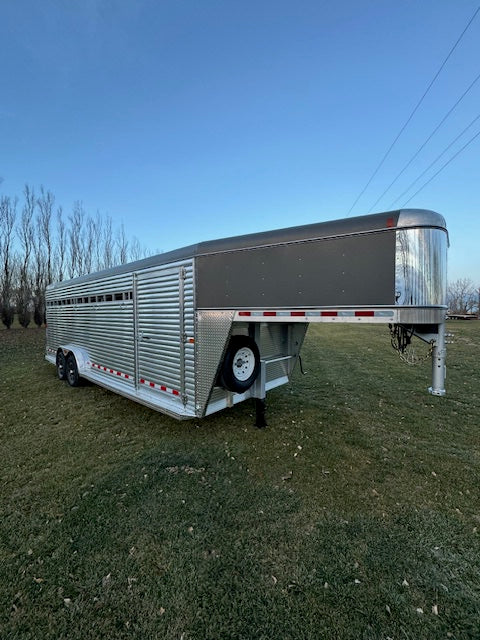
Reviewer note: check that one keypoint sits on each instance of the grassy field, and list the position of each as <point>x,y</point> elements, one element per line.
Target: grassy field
<point>354,515</point>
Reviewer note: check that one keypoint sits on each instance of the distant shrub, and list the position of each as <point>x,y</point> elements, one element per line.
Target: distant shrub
<point>7,315</point>
<point>38,316</point>
<point>24,317</point>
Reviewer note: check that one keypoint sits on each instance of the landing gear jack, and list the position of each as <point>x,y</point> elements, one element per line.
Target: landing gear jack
<point>260,421</point>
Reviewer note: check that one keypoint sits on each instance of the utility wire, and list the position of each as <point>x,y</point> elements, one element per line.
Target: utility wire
<point>442,168</point>
<point>434,162</point>
<point>414,111</point>
<point>422,146</point>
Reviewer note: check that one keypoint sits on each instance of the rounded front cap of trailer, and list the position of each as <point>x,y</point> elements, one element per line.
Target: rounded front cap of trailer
<point>421,259</point>
<point>420,218</point>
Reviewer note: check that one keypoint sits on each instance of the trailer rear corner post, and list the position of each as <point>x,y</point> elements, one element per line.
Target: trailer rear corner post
<point>438,363</point>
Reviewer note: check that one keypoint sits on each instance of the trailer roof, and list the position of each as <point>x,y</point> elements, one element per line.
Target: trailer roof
<point>402,218</point>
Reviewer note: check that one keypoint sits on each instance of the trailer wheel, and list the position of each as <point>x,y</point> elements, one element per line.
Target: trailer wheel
<point>73,377</point>
<point>241,364</point>
<point>61,363</point>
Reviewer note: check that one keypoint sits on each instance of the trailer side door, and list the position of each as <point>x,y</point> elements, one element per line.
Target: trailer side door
<point>164,337</point>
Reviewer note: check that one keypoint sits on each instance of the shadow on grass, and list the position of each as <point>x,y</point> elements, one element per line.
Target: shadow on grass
<point>188,545</point>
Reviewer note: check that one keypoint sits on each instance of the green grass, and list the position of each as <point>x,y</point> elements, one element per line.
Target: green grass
<point>356,507</point>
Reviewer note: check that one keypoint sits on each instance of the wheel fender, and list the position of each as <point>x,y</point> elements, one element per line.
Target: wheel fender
<point>81,356</point>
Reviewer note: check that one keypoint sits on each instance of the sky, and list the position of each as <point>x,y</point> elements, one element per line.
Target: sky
<point>191,120</point>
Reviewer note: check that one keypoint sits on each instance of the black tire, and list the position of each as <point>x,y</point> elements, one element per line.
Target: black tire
<point>241,364</point>
<point>73,377</point>
<point>61,363</point>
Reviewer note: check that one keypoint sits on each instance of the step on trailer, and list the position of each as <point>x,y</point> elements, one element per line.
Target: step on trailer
<point>202,328</point>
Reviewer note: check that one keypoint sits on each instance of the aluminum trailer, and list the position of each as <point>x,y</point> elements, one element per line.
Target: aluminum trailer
<point>202,328</point>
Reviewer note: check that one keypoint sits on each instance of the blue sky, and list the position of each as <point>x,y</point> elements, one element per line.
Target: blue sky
<point>197,119</point>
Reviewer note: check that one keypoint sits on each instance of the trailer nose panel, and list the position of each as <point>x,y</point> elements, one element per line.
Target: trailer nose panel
<point>421,267</point>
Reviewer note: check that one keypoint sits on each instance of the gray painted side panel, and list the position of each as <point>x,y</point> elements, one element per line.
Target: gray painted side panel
<point>344,271</point>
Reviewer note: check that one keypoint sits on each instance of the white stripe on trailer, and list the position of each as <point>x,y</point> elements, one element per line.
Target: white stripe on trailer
<point>126,376</point>
<point>317,315</point>
<point>159,387</point>
<point>114,372</point>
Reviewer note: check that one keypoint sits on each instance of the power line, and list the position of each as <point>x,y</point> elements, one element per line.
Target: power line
<point>442,168</point>
<point>414,111</point>
<point>426,141</point>
<point>434,162</point>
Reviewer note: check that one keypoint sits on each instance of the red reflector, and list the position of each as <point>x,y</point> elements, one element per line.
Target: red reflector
<point>152,384</point>
<point>390,222</point>
<point>118,373</point>
<point>163,388</point>
<point>127,376</point>
<point>244,313</point>
<point>297,314</point>
<point>175,392</point>
<point>329,313</point>
<point>364,314</point>
<point>270,313</point>
<point>142,381</point>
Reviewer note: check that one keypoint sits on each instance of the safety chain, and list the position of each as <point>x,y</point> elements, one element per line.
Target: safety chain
<point>401,338</point>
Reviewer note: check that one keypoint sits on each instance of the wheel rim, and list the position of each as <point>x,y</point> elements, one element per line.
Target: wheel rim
<point>71,373</point>
<point>61,366</point>
<point>243,364</point>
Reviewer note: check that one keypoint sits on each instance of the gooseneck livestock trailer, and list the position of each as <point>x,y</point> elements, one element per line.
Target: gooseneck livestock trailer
<point>201,328</point>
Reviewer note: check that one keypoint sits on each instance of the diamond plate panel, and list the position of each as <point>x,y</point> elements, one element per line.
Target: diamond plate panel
<point>213,330</point>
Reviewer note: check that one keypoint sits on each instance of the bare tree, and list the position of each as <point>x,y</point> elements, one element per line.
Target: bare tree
<point>136,251</point>
<point>108,246</point>
<point>97,228</point>
<point>122,246</point>
<point>89,250</point>
<point>38,275</point>
<point>462,296</point>
<point>8,214</point>
<point>45,205</point>
<point>76,240</point>
<point>26,236</point>
<point>61,246</point>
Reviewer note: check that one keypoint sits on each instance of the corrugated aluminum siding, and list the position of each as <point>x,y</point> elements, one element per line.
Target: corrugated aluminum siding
<point>148,334</point>
<point>166,333</point>
<point>105,329</point>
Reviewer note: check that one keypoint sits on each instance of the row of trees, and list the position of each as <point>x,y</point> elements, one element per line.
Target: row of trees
<point>40,244</point>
